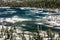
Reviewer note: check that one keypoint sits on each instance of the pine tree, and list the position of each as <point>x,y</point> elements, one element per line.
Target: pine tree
<point>2,31</point>
<point>23,37</point>
<point>50,34</point>
<point>33,36</point>
<point>38,34</point>
<point>29,37</point>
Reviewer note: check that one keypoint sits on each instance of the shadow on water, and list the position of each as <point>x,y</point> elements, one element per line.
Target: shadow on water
<point>33,28</point>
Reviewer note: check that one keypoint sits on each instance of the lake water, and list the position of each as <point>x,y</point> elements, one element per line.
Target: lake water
<point>32,17</point>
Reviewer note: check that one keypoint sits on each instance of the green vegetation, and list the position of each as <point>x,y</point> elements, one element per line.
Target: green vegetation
<point>40,4</point>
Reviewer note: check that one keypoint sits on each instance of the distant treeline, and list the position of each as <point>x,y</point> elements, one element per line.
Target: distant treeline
<point>40,4</point>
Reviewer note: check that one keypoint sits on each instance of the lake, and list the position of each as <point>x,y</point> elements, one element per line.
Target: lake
<point>30,18</point>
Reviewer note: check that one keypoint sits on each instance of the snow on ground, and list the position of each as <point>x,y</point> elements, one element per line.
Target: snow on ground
<point>42,33</point>
<point>52,20</point>
<point>13,19</point>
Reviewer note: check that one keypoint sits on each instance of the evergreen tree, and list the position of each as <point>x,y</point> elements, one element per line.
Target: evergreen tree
<point>23,37</point>
<point>50,34</point>
<point>30,37</point>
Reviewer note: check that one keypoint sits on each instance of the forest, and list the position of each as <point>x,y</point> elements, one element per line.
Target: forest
<point>38,4</point>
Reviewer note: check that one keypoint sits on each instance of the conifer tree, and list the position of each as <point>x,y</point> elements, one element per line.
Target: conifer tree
<point>23,37</point>
<point>30,37</point>
<point>50,34</point>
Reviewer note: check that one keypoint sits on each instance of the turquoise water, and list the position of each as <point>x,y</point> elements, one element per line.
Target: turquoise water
<point>28,14</point>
